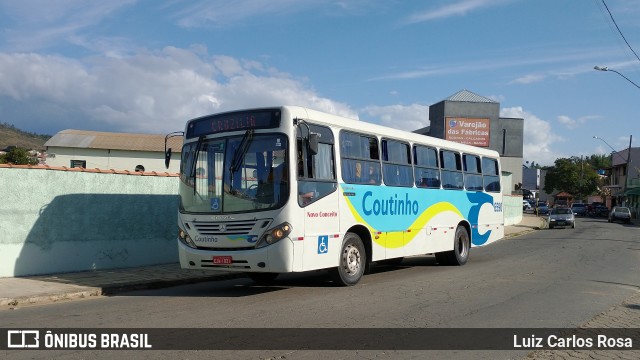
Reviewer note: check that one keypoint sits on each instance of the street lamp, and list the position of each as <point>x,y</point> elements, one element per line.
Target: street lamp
<point>614,150</point>
<point>604,68</point>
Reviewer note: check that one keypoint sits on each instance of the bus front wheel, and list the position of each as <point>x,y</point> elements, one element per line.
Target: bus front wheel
<point>460,253</point>
<point>352,263</point>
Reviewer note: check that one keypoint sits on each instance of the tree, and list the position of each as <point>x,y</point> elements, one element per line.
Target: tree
<point>18,156</point>
<point>574,176</point>
<point>598,161</point>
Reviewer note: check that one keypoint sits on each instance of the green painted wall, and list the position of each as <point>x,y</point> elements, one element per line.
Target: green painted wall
<point>62,221</point>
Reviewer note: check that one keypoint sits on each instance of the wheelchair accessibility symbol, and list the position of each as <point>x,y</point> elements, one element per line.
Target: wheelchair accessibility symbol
<point>215,204</point>
<point>323,244</point>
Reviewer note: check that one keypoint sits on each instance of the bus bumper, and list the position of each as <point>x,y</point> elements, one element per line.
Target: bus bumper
<point>276,258</point>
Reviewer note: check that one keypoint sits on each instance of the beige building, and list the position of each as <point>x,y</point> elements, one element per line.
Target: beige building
<point>106,150</point>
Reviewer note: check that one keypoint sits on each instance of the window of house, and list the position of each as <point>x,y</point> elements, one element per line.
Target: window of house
<point>79,164</point>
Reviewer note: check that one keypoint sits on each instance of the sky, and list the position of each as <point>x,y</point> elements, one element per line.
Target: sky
<point>147,66</point>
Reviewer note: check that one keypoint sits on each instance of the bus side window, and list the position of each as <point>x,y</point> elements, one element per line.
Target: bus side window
<point>472,173</point>
<point>491,175</point>
<point>360,163</point>
<point>396,163</point>
<point>316,173</point>
<point>451,165</point>
<point>427,171</point>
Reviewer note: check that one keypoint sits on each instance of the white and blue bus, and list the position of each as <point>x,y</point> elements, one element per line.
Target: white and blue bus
<point>290,189</point>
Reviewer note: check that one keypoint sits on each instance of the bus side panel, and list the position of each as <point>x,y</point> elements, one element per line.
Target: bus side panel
<point>491,221</point>
<point>323,239</point>
<point>350,216</point>
<point>413,221</point>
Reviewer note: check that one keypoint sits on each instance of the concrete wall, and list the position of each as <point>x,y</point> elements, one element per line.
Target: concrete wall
<point>62,221</point>
<point>512,209</point>
<point>514,166</point>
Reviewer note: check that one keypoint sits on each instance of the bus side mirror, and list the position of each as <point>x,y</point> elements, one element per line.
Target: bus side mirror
<point>167,157</point>
<point>313,143</point>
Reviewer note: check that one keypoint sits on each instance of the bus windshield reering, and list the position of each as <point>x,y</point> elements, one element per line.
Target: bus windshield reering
<point>289,189</point>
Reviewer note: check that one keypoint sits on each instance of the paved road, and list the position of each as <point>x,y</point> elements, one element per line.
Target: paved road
<point>560,278</point>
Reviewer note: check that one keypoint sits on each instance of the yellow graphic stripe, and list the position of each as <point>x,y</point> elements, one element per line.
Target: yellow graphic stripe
<point>397,239</point>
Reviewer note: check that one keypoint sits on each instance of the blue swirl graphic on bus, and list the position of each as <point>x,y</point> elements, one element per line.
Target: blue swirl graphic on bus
<point>478,199</point>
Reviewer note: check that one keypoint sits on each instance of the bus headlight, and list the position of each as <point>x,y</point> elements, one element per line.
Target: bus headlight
<point>185,238</point>
<point>274,235</point>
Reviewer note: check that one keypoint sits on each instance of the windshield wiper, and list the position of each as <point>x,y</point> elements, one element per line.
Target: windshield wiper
<point>195,161</point>
<point>238,155</point>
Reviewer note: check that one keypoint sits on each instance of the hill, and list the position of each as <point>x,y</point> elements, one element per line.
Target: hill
<point>12,136</point>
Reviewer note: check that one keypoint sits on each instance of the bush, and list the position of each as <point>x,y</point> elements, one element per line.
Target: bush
<point>18,156</point>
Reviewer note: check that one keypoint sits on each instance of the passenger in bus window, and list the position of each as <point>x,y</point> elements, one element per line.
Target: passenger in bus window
<point>307,192</point>
<point>358,172</point>
<point>307,189</point>
<point>373,175</point>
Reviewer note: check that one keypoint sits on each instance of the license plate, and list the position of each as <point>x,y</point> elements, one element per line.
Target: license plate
<point>222,260</point>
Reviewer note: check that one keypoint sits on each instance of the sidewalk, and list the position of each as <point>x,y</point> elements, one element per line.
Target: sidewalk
<point>21,291</point>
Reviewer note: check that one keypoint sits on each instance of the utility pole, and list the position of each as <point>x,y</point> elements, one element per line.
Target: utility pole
<point>626,177</point>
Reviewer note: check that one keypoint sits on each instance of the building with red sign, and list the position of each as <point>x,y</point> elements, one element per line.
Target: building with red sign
<point>469,118</point>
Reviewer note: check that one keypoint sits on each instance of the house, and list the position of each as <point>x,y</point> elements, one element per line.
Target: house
<point>107,150</point>
<point>625,178</point>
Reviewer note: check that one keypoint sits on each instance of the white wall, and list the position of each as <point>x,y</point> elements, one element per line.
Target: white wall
<point>112,159</point>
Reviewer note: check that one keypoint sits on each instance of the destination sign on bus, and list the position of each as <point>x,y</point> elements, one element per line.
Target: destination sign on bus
<point>236,121</point>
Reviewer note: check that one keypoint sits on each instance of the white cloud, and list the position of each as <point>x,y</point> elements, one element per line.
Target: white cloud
<point>43,23</point>
<point>528,79</point>
<point>224,13</point>
<point>409,118</point>
<point>567,121</point>
<point>459,8</point>
<point>539,136</point>
<point>573,124</point>
<point>149,92</point>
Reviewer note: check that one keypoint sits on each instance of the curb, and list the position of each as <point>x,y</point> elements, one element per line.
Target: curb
<point>50,298</point>
<point>111,289</point>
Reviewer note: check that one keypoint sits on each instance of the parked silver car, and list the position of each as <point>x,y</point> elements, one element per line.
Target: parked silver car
<point>620,213</point>
<point>561,217</point>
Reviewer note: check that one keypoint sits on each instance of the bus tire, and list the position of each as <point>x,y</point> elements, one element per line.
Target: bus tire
<point>263,278</point>
<point>460,253</point>
<point>352,263</point>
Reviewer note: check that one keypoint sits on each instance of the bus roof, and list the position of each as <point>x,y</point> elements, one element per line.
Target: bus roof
<point>382,131</point>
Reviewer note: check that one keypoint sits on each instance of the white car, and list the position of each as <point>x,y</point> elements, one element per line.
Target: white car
<point>526,205</point>
<point>561,217</point>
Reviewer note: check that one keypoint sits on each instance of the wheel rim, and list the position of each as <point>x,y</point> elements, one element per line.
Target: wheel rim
<point>463,248</point>
<point>351,259</point>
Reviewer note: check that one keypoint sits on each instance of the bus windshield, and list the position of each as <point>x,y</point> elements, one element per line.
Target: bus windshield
<point>234,174</point>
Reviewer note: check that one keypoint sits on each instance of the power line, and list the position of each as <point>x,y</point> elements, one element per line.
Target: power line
<point>620,31</point>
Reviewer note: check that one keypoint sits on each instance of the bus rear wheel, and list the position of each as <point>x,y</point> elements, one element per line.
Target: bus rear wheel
<point>352,263</point>
<point>460,253</point>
